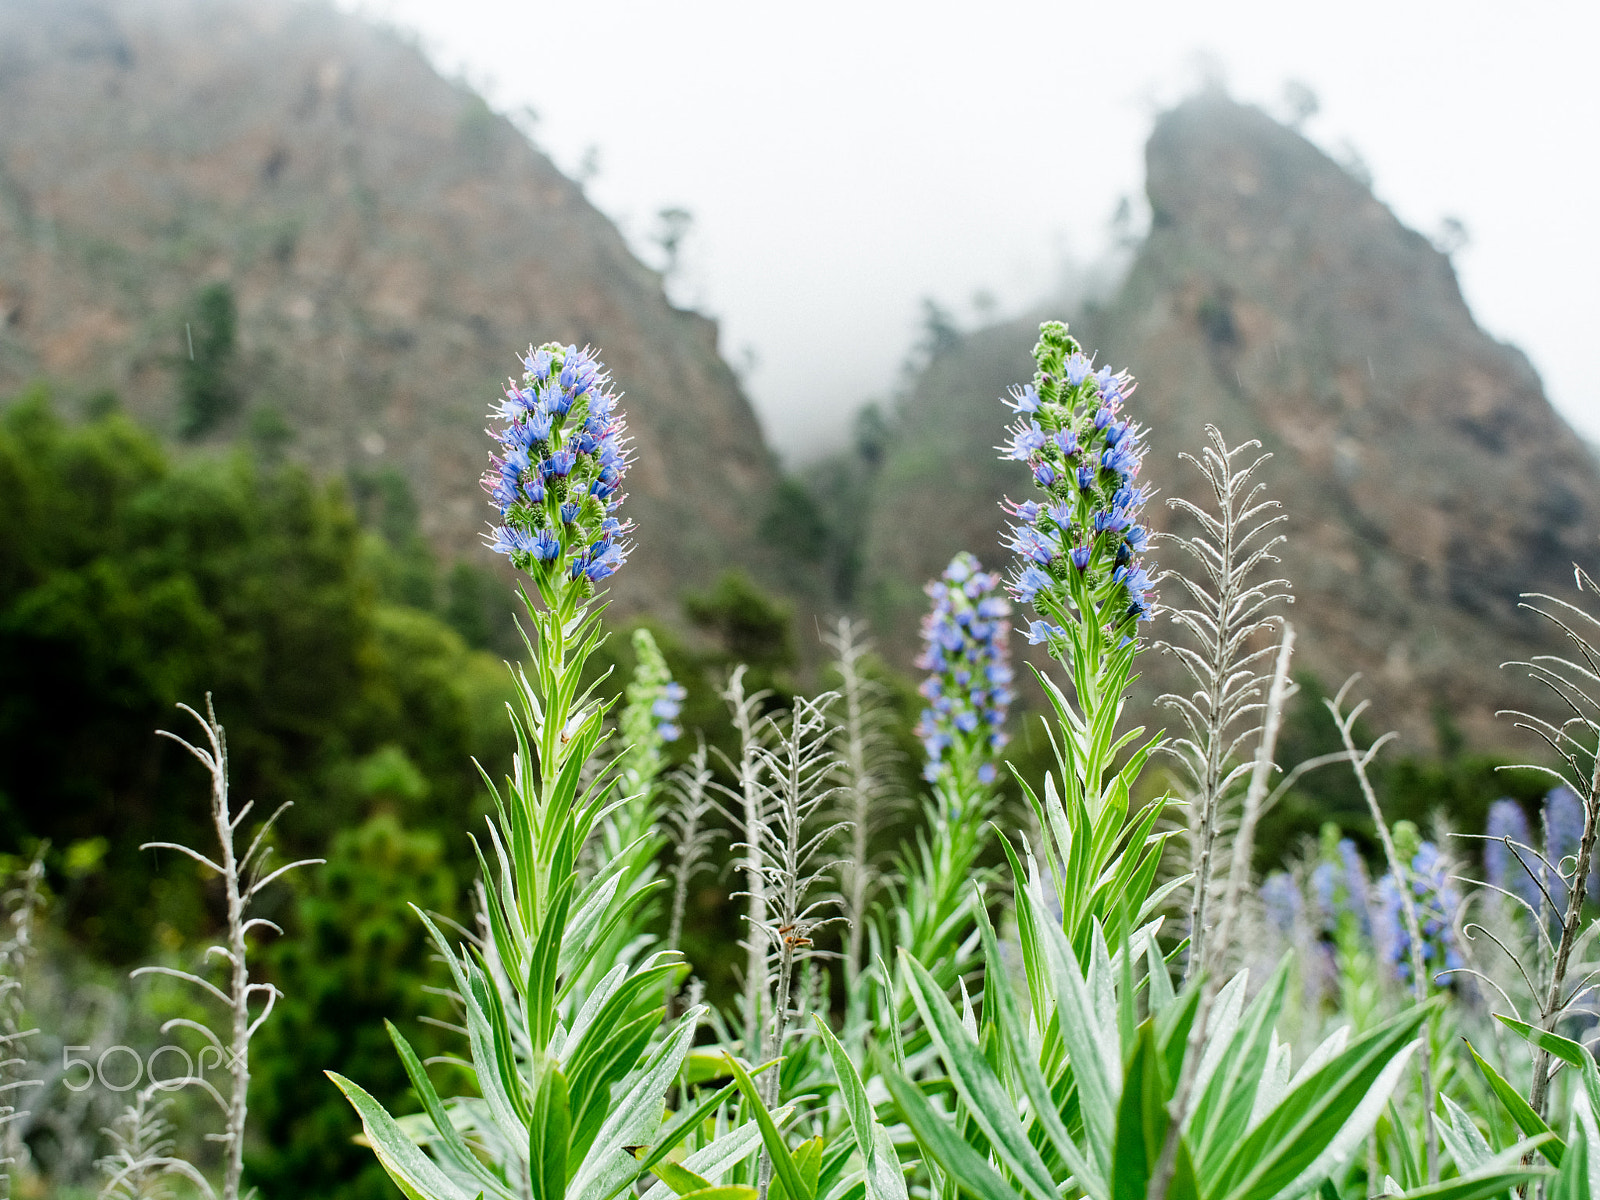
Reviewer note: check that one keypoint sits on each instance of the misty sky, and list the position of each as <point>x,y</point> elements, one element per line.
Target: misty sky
<point>844,160</point>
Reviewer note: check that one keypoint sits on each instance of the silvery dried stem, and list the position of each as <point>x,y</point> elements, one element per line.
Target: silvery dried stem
<point>22,903</point>
<point>1279,694</point>
<point>1359,761</point>
<point>746,795</point>
<point>687,810</point>
<point>1229,608</point>
<point>242,880</point>
<point>1576,682</point>
<point>797,782</point>
<point>867,757</point>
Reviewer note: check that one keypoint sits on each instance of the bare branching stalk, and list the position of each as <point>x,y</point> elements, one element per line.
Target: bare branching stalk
<point>1229,610</point>
<point>141,1152</point>
<point>1359,761</point>
<point>22,903</point>
<point>797,776</point>
<point>867,759</point>
<point>243,878</point>
<point>1279,694</point>
<point>690,805</point>
<point>1576,682</point>
<point>747,794</point>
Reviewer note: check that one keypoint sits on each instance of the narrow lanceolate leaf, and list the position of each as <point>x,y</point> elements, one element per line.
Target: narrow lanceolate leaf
<point>635,1118</point>
<point>1088,1045</point>
<point>413,1172</point>
<point>884,1177</point>
<point>548,1136</point>
<point>783,1164</point>
<point>1568,1051</point>
<point>988,1103</point>
<point>1520,1111</point>
<point>1462,1138</point>
<point>997,994</point>
<point>1141,1127</point>
<point>1495,1178</point>
<point>449,1143</point>
<point>1572,1181</point>
<point>1223,1112</point>
<point>937,1136</point>
<point>1294,1135</point>
<point>710,1161</point>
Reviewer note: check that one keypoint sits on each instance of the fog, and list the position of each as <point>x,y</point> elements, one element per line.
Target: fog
<point>842,162</point>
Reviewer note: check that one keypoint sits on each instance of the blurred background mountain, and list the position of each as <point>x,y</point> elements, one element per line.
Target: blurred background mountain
<point>262,270</point>
<point>1427,480</point>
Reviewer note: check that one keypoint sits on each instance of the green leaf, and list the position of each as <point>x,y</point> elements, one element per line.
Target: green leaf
<point>1520,1111</point>
<point>1045,1108</point>
<point>1141,1121</point>
<point>1462,1137</point>
<point>1222,1114</point>
<point>987,1101</point>
<point>1295,1133</point>
<point>450,1142</point>
<point>635,1116</point>
<point>548,1135</point>
<point>413,1172</point>
<point>680,1179</point>
<point>885,1178</point>
<point>942,1143</point>
<point>1572,1181</point>
<point>1568,1051</point>
<point>777,1149</point>
<point>1501,1174</point>
<point>1089,1046</point>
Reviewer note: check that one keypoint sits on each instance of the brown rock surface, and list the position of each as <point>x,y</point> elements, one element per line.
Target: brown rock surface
<point>392,245</point>
<point>1427,479</point>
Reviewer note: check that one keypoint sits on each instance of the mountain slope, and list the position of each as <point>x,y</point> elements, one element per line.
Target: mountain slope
<point>1428,481</point>
<point>390,245</point>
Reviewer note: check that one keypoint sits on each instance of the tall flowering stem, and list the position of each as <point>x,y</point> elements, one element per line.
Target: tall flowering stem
<point>1079,543</point>
<point>968,691</point>
<point>569,1089</point>
<point>869,791</point>
<point>1437,900</point>
<point>648,725</point>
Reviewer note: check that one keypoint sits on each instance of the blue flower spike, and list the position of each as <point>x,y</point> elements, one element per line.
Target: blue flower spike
<point>968,689</point>
<point>555,481</point>
<point>1078,546</point>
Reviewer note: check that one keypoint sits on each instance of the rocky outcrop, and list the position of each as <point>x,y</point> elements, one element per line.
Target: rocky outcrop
<point>390,243</point>
<point>1427,479</point>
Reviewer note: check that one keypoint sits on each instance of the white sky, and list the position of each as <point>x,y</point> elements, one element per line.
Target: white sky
<point>844,160</point>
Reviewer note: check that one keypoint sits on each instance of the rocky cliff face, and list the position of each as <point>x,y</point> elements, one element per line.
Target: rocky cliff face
<point>390,243</point>
<point>1427,480</point>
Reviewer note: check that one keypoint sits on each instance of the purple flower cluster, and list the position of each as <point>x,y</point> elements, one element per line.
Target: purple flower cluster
<point>1503,864</point>
<point>1563,831</point>
<point>665,709</point>
<point>1341,885</point>
<point>1078,548</point>
<point>557,477</point>
<point>1282,903</point>
<point>968,689</point>
<point>1437,900</point>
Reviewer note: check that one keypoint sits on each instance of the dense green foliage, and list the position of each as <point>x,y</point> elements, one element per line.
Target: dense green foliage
<point>130,581</point>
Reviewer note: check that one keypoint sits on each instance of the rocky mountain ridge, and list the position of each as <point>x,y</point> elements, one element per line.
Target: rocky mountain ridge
<point>389,246</point>
<point>1427,480</point>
